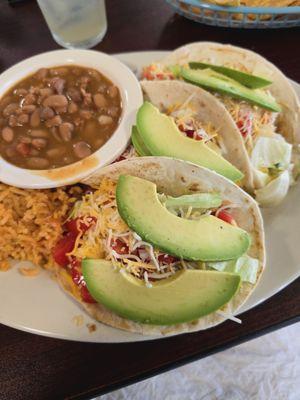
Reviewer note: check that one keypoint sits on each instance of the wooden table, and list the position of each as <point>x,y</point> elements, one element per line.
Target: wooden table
<point>38,368</point>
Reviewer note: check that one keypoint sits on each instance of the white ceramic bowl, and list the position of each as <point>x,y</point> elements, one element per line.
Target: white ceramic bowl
<point>131,96</point>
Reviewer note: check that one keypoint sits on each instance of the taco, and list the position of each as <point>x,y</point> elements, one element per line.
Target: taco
<point>192,113</point>
<point>159,246</point>
<point>260,100</point>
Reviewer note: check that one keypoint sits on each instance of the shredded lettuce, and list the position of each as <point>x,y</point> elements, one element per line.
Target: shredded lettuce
<point>271,152</point>
<point>275,191</point>
<point>246,266</point>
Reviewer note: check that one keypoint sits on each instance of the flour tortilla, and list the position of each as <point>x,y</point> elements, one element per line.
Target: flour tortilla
<point>164,94</point>
<point>175,177</point>
<point>288,122</point>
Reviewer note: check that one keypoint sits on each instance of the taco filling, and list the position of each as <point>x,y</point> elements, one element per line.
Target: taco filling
<point>187,121</point>
<point>274,161</point>
<point>96,230</point>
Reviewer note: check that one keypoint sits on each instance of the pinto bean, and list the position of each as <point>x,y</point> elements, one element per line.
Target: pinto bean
<point>39,143</point>
<point>5,102</point>
<point>11,151</point>
<point>113,111</point>
<point>25,139</point>
<point>23,149</point>
<point>85,80</point>
<point>74,94</point>
<point>34,90</point>
<point>66,129</point>
<point>10,109</point>
<point>94,74</point>
<point>39,133</point>
<point>102,88</point>
<point>55,121</point>
<point>35,119</point>
<point>85,114</point>
<point>58,84</point>
<point>20,92</point>
<point>55,133</point>
<point>34,152</point>
<point>7,134</point>
<point>58,71</point>
<point>23,119</point>
<point>56,152</point>
<point>61,110</point>
<point>37,163</point>
<point>46,113</point>
<point>12,121</point>
<point>105,120</point>
<point>81,149</point>
<point>29,99</point>
<point>28,109</point>
<point>55,100</point>
<point>72,108</point>
<point>113,91</point>
<point>45,92</point>
<point>99,100</point>
<point>41,74</point>
<point>87,97</point>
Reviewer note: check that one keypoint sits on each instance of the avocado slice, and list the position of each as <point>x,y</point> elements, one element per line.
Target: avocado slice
<point>212,80</point>
<point>206,239</point>
<point>138,144</point>
<point>184,297</point>
<point>161,137</point>
<point>251,81</point>
<point>197,200</point>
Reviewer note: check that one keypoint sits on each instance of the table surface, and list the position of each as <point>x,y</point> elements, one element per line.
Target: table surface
<point>34,367</point>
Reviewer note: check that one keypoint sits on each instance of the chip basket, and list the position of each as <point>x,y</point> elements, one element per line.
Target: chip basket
<point>238,17</point>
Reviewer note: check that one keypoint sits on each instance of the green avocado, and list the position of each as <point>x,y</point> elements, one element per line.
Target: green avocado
<point>251,81</point>
<point>161,137</point>
<point>214,81</point>
<point>186,296</point>
<point>206,239</point>
<point>197,200</point>
<point>138,144</point>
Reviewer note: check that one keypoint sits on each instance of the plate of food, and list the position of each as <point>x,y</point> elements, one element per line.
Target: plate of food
<point>255,14</point>
<point>169,238</point>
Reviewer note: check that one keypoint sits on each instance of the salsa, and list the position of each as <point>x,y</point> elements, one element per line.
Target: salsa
<point>57,116</point>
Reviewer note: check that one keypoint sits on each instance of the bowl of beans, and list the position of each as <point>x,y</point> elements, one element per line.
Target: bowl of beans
<point>63,115</point>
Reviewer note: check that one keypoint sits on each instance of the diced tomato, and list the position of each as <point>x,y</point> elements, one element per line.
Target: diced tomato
<point>79,281</point>
<point>121,158</point>
<point>245,125</point>
<point>166,259</point>
<point>72,225</point>
<point>225,216</point>
<point>147,75</point>
<point>189,133</point>
<point>85,294</point>
<point>76,274</point>
<point>63,246</point>
<point>119,246</point>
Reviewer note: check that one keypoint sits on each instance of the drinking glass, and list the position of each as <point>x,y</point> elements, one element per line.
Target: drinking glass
<point>75,23</point>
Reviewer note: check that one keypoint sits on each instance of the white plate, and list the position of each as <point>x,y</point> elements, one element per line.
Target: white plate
<point>38,305</point>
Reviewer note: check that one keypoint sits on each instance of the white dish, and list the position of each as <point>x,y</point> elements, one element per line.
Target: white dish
<point>38,305</point>
<point>131,96</point>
